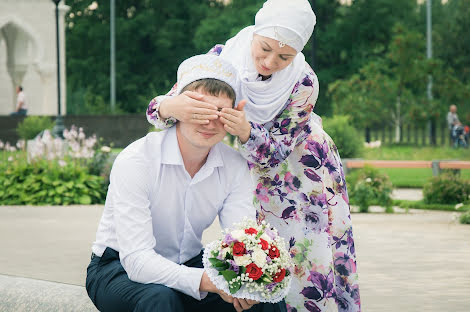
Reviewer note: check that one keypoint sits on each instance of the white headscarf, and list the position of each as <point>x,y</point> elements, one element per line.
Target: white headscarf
<point>290,22</point>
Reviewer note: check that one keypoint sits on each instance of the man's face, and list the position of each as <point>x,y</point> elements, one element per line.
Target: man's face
<point>204,136</point>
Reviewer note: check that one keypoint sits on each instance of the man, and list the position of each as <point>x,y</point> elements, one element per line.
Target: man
<point>165,190</point>
<point>453,123</point>
<point>21,108</point>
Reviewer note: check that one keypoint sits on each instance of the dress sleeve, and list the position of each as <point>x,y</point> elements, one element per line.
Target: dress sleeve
<point>153,116</point>
<point>269,148</point>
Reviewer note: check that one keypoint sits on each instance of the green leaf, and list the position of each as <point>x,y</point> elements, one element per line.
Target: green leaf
<point>84,200</point>
<point>234,287</point>
<point>219,265</point>
<point>229,275</point>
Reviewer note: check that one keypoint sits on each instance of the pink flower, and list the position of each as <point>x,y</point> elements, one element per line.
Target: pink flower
<point>262,193</point>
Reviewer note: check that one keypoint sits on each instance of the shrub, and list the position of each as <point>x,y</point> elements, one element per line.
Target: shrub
<point>370,187</point>
<point>31,126</point>
<point>465,218</point>
<point>49,183</point>
<point>446,189</point>
<point>346,137</point>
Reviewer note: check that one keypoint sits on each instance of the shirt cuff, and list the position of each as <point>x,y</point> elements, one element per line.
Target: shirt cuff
<point>192,278</point>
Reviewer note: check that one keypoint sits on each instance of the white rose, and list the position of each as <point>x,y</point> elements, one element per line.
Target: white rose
<point>242,260</point>
<point>266,238</point>
<point>259,258</point>
<point>239,235</point>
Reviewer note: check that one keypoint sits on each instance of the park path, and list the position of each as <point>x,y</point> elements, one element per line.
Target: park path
<point>407,262</point>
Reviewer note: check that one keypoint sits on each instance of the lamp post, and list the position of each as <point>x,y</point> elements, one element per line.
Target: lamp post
<point>113,57</point>
<point>432,122</point>
<point>59,123</point>
<point>313,39</point>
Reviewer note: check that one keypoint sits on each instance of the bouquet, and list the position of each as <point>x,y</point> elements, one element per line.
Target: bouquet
<point>250,262</point>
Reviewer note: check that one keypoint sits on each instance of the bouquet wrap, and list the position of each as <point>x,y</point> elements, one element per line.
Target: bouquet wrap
<point>250,262</point>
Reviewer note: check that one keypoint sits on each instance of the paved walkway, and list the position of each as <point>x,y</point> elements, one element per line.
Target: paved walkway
<point>407,262</point>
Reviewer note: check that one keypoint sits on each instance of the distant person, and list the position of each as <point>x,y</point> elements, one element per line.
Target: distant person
<point>456,129</point>
<point>21,108</point>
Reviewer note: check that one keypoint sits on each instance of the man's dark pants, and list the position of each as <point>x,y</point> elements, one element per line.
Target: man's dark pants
<point>110,289</point>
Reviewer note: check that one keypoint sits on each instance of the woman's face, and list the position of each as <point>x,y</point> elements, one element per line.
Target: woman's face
<point>269,57</point>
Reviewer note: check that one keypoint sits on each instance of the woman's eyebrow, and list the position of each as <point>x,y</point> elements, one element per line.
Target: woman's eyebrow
<point>284,55</point>
<point>266,44</point>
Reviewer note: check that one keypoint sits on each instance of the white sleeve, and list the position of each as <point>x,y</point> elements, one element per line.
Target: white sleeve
<point>239,203</point>
<point>130,187</point>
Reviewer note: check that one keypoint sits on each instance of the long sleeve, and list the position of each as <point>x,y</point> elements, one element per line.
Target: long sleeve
<point>270,147</point>
<point>239,203</point>
<point>129,189</point>
<point>152,114</point>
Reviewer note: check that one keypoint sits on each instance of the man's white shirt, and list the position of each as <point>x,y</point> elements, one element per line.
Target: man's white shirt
<point>155,213</point>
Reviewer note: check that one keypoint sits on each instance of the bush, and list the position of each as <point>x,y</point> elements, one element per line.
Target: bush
<point>31,126</point>
<point>446,189</point>
<point>346,137</point>
<point>465,218</point>
<point>370,187</point>
<point>49,183</point>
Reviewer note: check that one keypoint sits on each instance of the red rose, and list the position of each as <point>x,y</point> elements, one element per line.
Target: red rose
<point>239,249</point>
<point>273,252</point>
<point>251,231</point>
<point>264,244</point>
<point>279,276</point>
<point>254,271</point>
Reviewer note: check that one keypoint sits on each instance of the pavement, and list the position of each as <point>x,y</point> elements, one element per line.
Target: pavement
<point>416,261</point>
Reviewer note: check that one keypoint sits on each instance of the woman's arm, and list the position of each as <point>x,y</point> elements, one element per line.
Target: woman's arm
<point>269,148</point>
<point>165,110</point>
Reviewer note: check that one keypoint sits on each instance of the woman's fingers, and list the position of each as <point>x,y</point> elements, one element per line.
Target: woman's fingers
<point>209,113</point>
<point>228,122</point>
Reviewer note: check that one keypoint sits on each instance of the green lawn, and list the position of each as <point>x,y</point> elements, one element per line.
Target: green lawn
<point>391,152</point>
<point>415,178</point>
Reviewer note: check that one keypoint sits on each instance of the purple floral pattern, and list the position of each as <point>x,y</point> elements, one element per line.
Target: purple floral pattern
<point>301,190</point>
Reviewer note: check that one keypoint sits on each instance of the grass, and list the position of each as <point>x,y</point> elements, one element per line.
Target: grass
<point>419,204</point>
<point>415,178</point>
<point>406,152</point>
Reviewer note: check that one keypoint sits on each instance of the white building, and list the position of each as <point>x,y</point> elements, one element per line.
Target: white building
<point>28,55</point>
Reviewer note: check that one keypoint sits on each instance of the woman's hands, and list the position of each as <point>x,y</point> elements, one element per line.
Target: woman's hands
<point>235,122</point>
<point>188,106</point>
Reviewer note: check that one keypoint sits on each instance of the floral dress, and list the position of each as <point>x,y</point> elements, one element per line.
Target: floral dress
<point>301,190</point>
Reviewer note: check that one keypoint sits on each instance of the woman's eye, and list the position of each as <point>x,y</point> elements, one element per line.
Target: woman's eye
<point>265,50</point>
<point>283,58</point>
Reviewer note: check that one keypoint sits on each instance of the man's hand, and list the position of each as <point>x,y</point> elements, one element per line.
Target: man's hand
<point>243,304</point>
<point>188,106</point>
<point>235,122</point>
<point>238,304</point>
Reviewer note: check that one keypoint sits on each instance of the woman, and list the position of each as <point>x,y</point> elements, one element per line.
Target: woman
<point>300,185</point>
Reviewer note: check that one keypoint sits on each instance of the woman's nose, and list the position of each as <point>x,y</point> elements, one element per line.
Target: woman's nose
<point>271,61</point>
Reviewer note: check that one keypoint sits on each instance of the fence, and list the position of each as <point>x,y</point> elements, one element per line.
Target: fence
<point>419,135</point>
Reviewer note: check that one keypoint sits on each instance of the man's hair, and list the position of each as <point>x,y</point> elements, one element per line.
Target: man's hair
<point>212,86</point>
<point>20,87</point>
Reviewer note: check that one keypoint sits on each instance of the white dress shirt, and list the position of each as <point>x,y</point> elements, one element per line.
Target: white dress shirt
<point>155,213</point>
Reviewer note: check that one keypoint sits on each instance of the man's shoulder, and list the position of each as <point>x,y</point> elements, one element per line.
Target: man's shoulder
<point>142,150</point>
<point>231,158</point>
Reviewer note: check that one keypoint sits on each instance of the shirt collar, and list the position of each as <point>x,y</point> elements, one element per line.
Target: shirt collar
<point>171,154</point>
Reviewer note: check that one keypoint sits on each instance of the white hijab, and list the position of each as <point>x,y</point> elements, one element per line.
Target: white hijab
<point>266,99</point>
